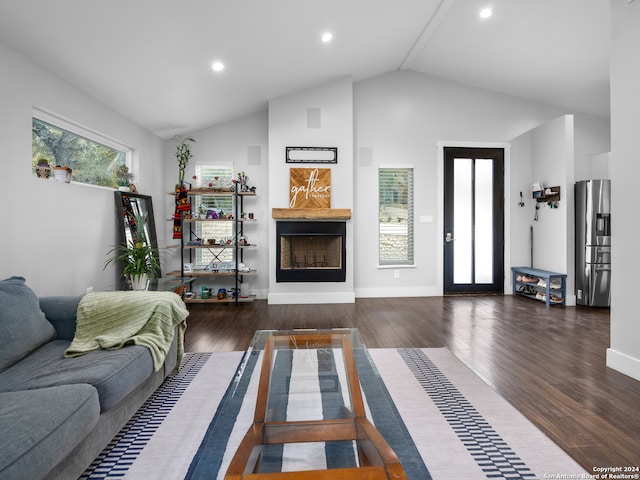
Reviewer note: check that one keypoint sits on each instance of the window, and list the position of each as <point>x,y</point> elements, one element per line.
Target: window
<point>395,216</point>
<point>94,159</point>
<point>213,230</point>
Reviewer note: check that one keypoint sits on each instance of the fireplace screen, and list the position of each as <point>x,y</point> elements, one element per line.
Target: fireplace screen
<point>310,252</point>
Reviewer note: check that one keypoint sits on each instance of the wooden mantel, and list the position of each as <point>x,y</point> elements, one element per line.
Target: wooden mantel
<point>311,213</point>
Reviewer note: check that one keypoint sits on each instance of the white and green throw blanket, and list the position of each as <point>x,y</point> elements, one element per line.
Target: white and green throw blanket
<point>111,320</point>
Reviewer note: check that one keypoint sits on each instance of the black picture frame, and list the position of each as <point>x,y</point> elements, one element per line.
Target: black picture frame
<point>321,155</point>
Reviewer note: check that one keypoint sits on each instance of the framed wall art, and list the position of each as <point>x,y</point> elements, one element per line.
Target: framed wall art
<point>310,188</point>
<point>311,154</point>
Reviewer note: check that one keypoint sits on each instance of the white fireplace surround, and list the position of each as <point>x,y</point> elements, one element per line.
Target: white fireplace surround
<point>288,126</point>
<point>313,292</point>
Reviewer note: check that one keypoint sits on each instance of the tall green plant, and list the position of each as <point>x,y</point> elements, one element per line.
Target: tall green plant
<point>183,154</point>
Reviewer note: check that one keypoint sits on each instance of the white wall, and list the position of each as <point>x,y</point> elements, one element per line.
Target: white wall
<point>600,167</point>
<point>552,160</point>
<point>57,235</point>
<point>288,127</point>
<point>399,119</point>
<point>591,149</point>
<point>555,153</point>
<point>231,144</point>
<point>521,179</point>
<point>624,353</point>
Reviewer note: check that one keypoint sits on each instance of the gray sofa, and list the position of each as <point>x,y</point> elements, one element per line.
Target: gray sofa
<point>57,414</point>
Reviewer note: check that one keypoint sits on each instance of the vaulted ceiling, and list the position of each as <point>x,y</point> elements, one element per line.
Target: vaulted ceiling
<point>151,59</point>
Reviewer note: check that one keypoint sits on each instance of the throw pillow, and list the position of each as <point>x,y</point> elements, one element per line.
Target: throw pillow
<point>23,326</point>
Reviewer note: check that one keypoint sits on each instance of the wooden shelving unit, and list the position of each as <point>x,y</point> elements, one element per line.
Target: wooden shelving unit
<point>248,299</point>
<point>187,248</point>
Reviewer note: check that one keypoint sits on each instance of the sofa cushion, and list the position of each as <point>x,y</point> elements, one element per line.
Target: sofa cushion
<point>61,311</point>
<point>23,326</point>
<point>114,373</point>
<point>45,426</point>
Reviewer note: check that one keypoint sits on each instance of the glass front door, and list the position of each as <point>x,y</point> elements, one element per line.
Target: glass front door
<point>474,227</point>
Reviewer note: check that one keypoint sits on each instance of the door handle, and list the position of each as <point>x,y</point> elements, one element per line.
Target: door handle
<point>448,238</point>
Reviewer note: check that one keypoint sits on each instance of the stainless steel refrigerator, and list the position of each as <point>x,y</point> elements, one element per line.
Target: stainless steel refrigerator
<point>593,243</point>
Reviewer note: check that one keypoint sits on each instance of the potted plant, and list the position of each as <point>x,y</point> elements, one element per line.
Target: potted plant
<point>183,154</point>
<point>62,173</point>
<point>122,177</point>
<point>140,260</point>
<point>43,169</point>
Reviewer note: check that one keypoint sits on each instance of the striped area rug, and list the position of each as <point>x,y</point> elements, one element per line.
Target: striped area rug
<point>441,419</point>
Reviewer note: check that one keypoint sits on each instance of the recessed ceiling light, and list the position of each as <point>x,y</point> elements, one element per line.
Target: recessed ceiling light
<point>326,37</point>
<point>485,13</point>
<point>217,66</point>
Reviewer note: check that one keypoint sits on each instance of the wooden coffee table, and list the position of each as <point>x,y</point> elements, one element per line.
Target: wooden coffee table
<point>346,423</point>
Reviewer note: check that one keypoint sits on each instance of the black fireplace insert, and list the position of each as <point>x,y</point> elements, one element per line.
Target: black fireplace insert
<point>309,251</point>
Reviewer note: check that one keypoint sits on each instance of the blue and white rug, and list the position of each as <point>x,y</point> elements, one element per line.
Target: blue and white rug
<point>442,420</point>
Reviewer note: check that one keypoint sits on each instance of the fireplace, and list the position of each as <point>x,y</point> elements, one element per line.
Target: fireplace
<point>310,251</point>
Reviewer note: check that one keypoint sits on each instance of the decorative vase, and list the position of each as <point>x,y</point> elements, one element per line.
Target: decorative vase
<point>139,282</point>
<point>43,169</point>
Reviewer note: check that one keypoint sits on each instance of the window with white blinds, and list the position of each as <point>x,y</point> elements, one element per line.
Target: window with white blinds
<point>395,216</point>
<point>219,175</point>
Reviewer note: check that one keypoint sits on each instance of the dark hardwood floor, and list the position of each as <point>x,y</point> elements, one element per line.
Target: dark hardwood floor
<point>549,363</point>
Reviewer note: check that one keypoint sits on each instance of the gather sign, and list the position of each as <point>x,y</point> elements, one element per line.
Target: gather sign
<point>310,188</point>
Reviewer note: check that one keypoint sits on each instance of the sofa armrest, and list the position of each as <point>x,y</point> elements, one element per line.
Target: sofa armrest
<point>61,312</point>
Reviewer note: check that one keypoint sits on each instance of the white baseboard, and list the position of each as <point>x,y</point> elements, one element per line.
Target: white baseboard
<point>623,363</point>
<point>570,300</point>
<point>260,294</point>
<point>386,292</point>
<point>310,298</point>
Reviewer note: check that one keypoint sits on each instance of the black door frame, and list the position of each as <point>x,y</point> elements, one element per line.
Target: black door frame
<point>497,154</point>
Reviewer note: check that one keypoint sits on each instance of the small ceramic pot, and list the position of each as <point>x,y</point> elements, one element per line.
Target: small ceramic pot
<point>62,174</point>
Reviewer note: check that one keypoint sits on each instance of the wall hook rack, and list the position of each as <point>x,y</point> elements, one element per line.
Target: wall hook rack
<point>548,195</point>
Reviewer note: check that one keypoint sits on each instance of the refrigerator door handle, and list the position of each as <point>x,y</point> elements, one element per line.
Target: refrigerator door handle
<point>603,269</point>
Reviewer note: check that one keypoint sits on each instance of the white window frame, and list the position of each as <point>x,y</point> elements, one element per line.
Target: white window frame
<point>202,256</point>
<point>82,131</point>
<point>410,263</point>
